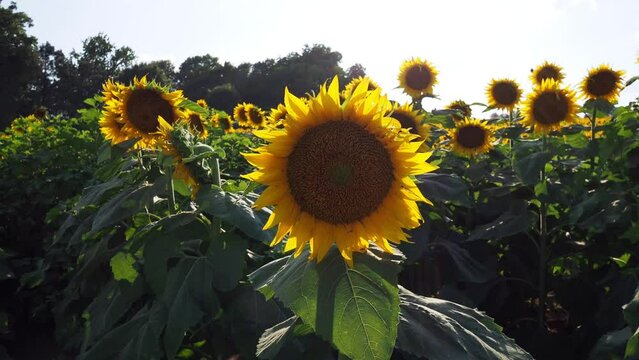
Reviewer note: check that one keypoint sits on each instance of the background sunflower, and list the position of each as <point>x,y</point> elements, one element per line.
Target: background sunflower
<point>471,137</point>
<point>602,82</point>
<point>503,94</point>
<point>417,77</point>
<point>547,70</point>
<point>548,106</point>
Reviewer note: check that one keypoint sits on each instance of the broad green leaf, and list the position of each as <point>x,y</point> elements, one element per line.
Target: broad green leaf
<point>354,308</point>
<point>92,194</point>
<point>189,296</point>
<point>468,267</point>
<point>632,80</point>
<point>632,347</point>
<point>227,256</point>
<point>611,345</point>
<point>274,337</point>
<point>125,204</point>
<point>516,220</point>
<point>529,167</point>
<point>444,188</point>
<point>122,267</point>
<point>631,311</point>
<point>145,344</point>
<point>437,329</point>
<point>262,277</point>
<point>234,209</point>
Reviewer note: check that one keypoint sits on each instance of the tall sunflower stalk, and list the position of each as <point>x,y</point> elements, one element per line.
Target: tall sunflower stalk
<point>543,234</point>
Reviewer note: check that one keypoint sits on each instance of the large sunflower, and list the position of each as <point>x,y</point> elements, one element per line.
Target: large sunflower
<point>547,70</point>
<point>602,82</point>
<point>167,142</point>
<point>255,116</point>
<point>348,89</point>
<point>139,106</point>
<point>339,173</point>
<point>503,94</point>
<point>462,110</point>
<point>548,106</point>
<point>471,137</point>
<point>417,77</point>
<point>412,120</point>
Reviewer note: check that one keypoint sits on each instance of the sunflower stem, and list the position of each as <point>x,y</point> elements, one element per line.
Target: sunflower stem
<point>593,123</point>
<point>510,140</point>
<point>543,233</point>
<point>171,191</point>
<point>217,180</point>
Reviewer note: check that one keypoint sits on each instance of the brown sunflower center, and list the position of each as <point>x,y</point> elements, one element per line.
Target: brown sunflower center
<point>505,93</point>
<point>407,121</point>
<point>547,72</point>
<point>225,123</point>
<point>462,111</point>
<point>602,83</point>
<point>255,116</point>
<point>550,108</point>
<point>196,121</point>
<point>143,108</point>
<point>471,136</point>
<point>339,172</point>
<point>419,77</point>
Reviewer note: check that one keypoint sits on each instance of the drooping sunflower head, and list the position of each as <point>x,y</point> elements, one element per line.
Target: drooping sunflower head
<point>348,89</point>
<point>462,110</point>
<point>170,144</point>
<point>503,94</point>
<point>411,120</point>
<point>202,103</point>
<point>255,116</point>
<point>277,116</point>
<point>339,173</point>
<point>547,70</point>
<point>239,114</point>
<point>196,122</point>
<point>471,137</point>
<point>224,122</point>
<point>139,106</point>
<point>548,106</point>
<point>602,82</point>
<point>417,77</point>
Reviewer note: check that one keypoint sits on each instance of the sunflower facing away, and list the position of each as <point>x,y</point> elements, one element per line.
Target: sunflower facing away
<point>471,137</point>
<point>339,173</point>
<point>417,77</point>
<point>224,122</point>
<point>348,89</point>
<point>277,116</point>
<point>196,122</point>
<point>411,120</point>
<point>547,70</point>
<point>167,144</point>
<point>503,94</point>
<point>602,82</point>
<point>462,110</point>
<point>138,107</point>
<point>548,106</point>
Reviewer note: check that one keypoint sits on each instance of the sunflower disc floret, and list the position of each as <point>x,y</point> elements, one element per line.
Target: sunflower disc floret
<point>547,70</point>
<point>471,137</point>
<point>602,82</point>
<point>503,94</point>
<point>549,107</point>
<point>417,78</point>
<point>339,173</point>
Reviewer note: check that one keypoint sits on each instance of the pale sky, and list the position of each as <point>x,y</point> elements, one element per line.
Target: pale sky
<point>468,41</point>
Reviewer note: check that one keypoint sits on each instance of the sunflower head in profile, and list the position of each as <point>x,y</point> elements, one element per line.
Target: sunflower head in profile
<point>548,106</point>
<point>411,120</point>
<point>471,137</point>
<point>196,123</point>
<point>417,78</point>
<point>277,116</point>
<point>348,89</point>
<point>239,114</point>
<point>462,110</point>
<point>224,122</point>
<point>503,94</point>
<point>602,82</point>
<point>255,116</point>
<point>139,106</point>
<point>170,144</point>
<point>547,70</point>
<point>339,173</point>
<point>202,103</point>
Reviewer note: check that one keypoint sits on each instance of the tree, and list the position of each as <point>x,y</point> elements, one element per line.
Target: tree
<point>19,63</point>
<point>162,71</point>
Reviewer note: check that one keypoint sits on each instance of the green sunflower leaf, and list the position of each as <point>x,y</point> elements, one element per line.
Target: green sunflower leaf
<point>354,308</point>
<point>438,329</point>
<point>529,167</point>
<point>274,338</point>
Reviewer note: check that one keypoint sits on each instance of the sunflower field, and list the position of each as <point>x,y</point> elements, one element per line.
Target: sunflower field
<point>339,224</point>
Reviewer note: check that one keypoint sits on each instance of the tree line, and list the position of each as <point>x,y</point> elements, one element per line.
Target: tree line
<point>39,77</point>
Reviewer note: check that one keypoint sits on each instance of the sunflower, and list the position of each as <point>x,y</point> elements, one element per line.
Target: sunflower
<point>503,94</point>
<point>196,122</point>
<point>471,137</point>
<point>111,89</point>
<point>602,83</point>
<point>239,113</point>
<point>339,173</point>
<point>202,103</point>
<point>547,70</point>
<point>224,122</point>
<point>601,121</point>
<point>348,89</point>
<point>277,116</point>
<point>462,110</point>
<point>167,144</point>
<point>412,120</point>
<point>255,116</point>
<point>112,129</point>
<point>417,77</point>
<point>139,106</point>
<point>548,106</point>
